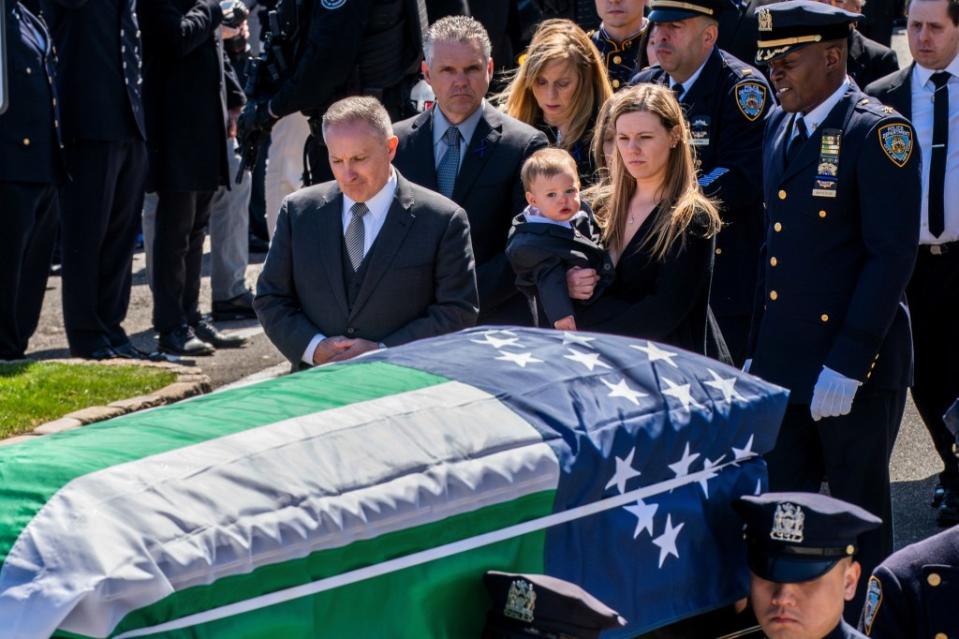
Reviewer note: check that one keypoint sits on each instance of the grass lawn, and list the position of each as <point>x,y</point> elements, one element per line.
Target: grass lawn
<point>32,393</point>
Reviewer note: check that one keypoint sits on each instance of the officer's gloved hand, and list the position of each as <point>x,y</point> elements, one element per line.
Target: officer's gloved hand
<point>747,365</point>
<point>255,117</point>
<point>833,394</point>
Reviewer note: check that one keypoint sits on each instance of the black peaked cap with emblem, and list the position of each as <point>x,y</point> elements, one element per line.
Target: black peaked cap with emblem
<point>542,606</point>
<point>795,537</point>
<point>676,10</point>
<point>787,26</point>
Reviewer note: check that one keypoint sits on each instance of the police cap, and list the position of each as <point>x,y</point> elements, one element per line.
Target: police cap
<point>675,10</point>
<point>787,26</point>
<point>542,606</point>
<point>795,537</point>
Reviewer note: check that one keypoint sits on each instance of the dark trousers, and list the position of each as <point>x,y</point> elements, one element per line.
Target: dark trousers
<point>101,207</point>
<point>933,295</point>
<point>181,217</point>
<point>852,453</point>
<point>30,228</point>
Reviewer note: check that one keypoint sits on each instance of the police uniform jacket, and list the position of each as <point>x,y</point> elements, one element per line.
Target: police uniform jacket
<point>623,59</point>
<point>839,250</point>
<point>30,146</point>
<point>914,592</point>
<point>868,60</point>
<point>184,94</point>
<point>100,79</point>
<point>725,109</point>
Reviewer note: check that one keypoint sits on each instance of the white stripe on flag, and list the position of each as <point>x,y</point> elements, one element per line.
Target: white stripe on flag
<point>125,537</point>
<point>422,557</point>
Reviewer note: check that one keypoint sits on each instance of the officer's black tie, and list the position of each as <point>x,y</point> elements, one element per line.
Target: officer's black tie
<point>792,150</point>
<point>679,90</point>
<point>940,142</point>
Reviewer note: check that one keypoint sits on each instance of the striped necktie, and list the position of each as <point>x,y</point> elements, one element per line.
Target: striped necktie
<point>355,235</point>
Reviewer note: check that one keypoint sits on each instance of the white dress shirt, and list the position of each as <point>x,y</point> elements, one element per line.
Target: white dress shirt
<point>467,128</point>
<point>379,206</point>
<point>818,114</point>
<point>922,115</point>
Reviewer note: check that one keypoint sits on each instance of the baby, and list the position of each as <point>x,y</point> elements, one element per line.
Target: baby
<point>553,234</point>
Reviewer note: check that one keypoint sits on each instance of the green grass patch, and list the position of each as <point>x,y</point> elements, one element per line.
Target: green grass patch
<point>32,393</point>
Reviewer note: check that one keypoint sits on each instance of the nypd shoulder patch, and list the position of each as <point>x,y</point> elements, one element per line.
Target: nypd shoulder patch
<point>751,99</point>
<point>897,140</point>
<point>871,605</point>
<point>332,4</point>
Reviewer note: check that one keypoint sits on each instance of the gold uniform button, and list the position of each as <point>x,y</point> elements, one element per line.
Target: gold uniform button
<point>782,194</point>
<point>617,59</point>
<point>777,227</point>
<point>26,141</point>
<point>824,317</point>
<point>934,580</point>
<point>850,549</point>
<point>773,261</point>
<point>719,251</point>
<point>822,214</point>
<point>773,295</point>
<point>615,84</point>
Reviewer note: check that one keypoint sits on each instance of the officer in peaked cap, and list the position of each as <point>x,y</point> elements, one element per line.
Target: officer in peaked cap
<point>841,184</point>
<point>914,592</point>
<point>725,101</point>
<point>543,607</point>
<point>801,549</point>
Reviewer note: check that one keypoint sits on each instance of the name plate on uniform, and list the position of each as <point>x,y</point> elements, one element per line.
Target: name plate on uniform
<point>827,171</point>
<point>699,130</point>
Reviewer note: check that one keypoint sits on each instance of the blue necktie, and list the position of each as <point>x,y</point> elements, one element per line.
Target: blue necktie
<point>450,164</point>
<point>799,139</point>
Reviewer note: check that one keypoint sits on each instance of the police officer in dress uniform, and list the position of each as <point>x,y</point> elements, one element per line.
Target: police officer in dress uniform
<point>914,592</point>
<point>841,184</point>
<point>726,102</point>
<point>619,38</point>
<point>31,167</point>
<point>342,48</point>
<point>801,549</point>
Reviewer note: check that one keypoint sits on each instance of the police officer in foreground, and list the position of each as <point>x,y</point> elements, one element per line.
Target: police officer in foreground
<point>327,50</point>
<point>801,549</point>
<point>914,592</point>
<point>726,102</point>
<point>841,186</point>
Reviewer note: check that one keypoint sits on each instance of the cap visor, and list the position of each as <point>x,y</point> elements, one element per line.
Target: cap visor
<point>671,15</point>
<point>789,570</point>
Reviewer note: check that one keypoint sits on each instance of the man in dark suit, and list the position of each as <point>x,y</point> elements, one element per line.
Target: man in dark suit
<point>471,153</point>
<point>841,184</point>
<point>367,261</point>
<point>185,95</point>
<point>869,60</point>
<point>927,93</point>
<point>31,166</point>
<point>725,101</point>
<point>104,132</point>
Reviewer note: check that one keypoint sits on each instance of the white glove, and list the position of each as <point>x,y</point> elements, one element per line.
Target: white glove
<point>747,365</point>
<point>832,395</point>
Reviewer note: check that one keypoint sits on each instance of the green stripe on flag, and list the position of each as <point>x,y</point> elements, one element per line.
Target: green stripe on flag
<point>33,471</point>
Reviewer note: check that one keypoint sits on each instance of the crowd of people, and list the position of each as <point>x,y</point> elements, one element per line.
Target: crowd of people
<point>795,214</point>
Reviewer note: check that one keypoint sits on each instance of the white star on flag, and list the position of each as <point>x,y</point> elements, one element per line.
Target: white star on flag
<point>644,514</point>
<point>744,453</point>
<point>682,393</point>
<point>624,472</point>
<point>726,386</point>
<point>589,360</point>
<point>709,465</point>
<point>573,338</point>
<point>622,389</point>
<point>655,353</point>
<point>490,339</point>
<point>681,468</point>
<point>667,541</point>
<point>522,359</point>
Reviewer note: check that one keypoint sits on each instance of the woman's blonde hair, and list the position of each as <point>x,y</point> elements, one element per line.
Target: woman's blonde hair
<point>559,40</point>
<point>681,199</point>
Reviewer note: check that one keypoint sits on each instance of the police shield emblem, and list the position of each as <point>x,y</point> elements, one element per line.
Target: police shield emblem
<point>872,603</point>
<point>788,523</point>
<point>520,601</point>
<point>765,19</point>
<point>897,141</point>
<point>751,99</point>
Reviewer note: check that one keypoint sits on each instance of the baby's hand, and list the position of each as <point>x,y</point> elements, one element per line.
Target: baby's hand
<point>568,323</point>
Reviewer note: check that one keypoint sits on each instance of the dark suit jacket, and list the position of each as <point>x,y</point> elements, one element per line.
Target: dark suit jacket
<point>184,94</point>
<point>868,60</point>
<point>895,90</point>
<point>835,294</point>
<point>489,188</point>
<point>420,280</point>
<point>99,75</point>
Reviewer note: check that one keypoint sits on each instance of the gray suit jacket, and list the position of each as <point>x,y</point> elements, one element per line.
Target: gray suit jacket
<point>420,280</point>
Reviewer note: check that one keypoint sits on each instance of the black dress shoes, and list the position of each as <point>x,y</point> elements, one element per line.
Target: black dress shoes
<point>235,308</point>
<point>209,333</point>
<point>129,351</point>
<point>183,341</point>
<point>948,512</point>
<point>102,353</point>
<point>937,494</point>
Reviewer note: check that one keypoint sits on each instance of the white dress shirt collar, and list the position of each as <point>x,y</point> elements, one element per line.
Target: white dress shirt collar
<point>818,114</point>
<point>378,205</point>
<point>922,75</point>
<point>691,80</point>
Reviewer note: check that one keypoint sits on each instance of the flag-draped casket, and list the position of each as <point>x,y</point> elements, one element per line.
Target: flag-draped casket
<point>366,499</point>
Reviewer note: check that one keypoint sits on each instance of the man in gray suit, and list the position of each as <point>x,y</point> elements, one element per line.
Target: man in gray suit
<point>368,261</point>
<point>471,153</point>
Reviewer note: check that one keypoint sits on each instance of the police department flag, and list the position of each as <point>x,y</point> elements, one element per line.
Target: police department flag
<point>367,499</point>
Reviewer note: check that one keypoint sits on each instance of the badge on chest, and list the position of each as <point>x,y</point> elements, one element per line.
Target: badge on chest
<point>827,171</point>
<point>699,130</point>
